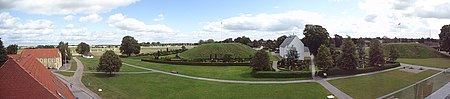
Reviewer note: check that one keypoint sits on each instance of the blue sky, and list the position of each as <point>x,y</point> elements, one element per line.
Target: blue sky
<point>30,22</point>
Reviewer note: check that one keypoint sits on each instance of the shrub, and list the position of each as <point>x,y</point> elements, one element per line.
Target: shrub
<point>339,72</point>
<point>281,74</point>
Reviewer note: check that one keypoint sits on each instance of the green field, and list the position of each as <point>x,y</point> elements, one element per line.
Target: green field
<point>218,72</point>
<point>162,86</point>
<point>431,62</point>
<point>92,63</point>
<point>412,50</point>
<point>73,65</point>
<point>376,85</point>
<point>68,74</point>
<point>205,51</point>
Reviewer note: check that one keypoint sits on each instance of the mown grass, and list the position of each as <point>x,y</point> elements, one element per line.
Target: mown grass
<point>376,85</point>
<point>90,64</point>
<point>205,51</point>
<point>162,86</point>
<point>73,65</point>
<point>430,62</point>
<point>68,74</point>
<point>218,72</point>
<point>412,50</point>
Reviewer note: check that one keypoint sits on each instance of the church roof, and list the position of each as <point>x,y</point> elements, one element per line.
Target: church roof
<point>287,41</point>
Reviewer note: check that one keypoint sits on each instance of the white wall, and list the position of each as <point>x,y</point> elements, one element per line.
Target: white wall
<point>299,46</point>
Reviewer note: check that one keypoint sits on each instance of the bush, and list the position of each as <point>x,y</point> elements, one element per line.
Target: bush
<point>281,74</point>
<point>183,62</point>
<point>339,72</point>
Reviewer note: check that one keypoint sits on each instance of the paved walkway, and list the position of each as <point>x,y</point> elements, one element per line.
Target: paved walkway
<point>275,65</point>
<point>76,86</point>
<point>442,93</point>
<point>91,72</point>
<point>424,67</point>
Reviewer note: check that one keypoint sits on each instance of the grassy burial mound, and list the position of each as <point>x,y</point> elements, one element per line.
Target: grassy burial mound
<point>412,50</point>
<point>218,50</point>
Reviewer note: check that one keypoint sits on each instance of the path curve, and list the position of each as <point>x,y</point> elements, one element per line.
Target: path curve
<point>76,79</point>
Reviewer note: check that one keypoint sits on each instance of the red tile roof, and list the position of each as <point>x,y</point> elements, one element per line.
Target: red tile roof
<point>42,53</point>
<point>14,56</point>
<point>27,78</point>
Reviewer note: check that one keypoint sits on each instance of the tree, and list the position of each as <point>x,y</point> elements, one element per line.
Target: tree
<point>337,40</point>
<point>376,57</point>
<point>3,54</point>
<point>83,48</point>
<point>348,59</point>
<point>209,41</point>
<point>243,40</point>
<point>12,49</point>
<point>361,52</point>
<point>393,54</point>
<point>444,38</point>
<point>280,40</point>
<point>315,35</point>
<point>228,40</point>
<point>65,50</point>
<point>183,48</point>
<point>201,42</point>
<point>291,57</point>
<point>270,44</point>
<point>109,62</point>
<point>129,46</point>
<point>323,59</point>
<point>260,61</point>
<point>227,57</point>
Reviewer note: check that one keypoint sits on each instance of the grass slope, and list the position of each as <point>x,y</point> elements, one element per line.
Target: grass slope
<point>376,85</point>
<point>412,50</point>
<point>205,50</point>
<point>431,62</point>
<point>161,86</point>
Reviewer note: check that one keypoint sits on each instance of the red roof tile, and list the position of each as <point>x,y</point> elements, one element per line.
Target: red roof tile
<point>42,53</point>
<point>27,78</point>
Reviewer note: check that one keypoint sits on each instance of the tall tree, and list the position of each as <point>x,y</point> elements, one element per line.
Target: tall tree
<point>348,59</point>
<point>243,40</point>
<point>315,35</point>
<point>3,54</point>
<point>323,59</point>
<point>228,40</point>
<point>12,49</point>
<point>65,50</point>
<point>393,54</point>
<point>376,57</point>
<point>83,48</point>
<point>280,40</point>
<point>270,44</point>
<point>109,62</point>
<point>444,38</point>
<point>260,61</point>
<point>361,52</point>
<point>291,58</point>
<point>338,40</point>
<point>129,46</point>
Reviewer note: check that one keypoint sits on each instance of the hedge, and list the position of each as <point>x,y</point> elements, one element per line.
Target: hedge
<point>281,74</point>
<point>339,72</point>
<point>196,63</point>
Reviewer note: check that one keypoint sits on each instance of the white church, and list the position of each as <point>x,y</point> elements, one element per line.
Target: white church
<point>293,41</point>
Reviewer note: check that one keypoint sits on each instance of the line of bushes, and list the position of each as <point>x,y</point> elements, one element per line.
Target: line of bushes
<point>281,74</point>
<point>196,63</point>
<point>338,72</point>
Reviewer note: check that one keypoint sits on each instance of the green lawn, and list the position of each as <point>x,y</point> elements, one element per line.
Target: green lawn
<point>376,85</point>
<point>218,72</point>
<point>68,74</point>
<point>73,65</point>
<point>162,86</point>
<point>92,63</point>
<point>273,57</point>
<point>431,62</point>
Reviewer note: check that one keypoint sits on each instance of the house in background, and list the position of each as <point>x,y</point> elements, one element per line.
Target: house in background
<point>24,77</point>
<point>292,42</point>
<point>88,55</point>
<point>258,48</point>
<point>50,57</point>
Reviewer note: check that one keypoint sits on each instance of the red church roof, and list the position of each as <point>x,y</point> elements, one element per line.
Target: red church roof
<point>42,53</point>
<point>27,78</point>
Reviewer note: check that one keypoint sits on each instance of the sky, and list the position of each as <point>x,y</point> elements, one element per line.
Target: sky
<point>42,22</point>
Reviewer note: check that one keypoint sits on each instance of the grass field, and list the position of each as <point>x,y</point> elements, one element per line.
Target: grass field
<point>431,62</point>
<point>412,50</point>
<point>161,86</point>
<point>376,85</point>
<point>68,74</point>
<point>73,65</point>
<point>219,72</point>
<point>91,65</point>
<point>205,51</point>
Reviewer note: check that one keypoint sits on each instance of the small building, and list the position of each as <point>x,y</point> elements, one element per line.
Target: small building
<point>24,77</point>
<point>88,55</point>
<point>258,48</point>
<point>292,42</point>
<point>49,57</point>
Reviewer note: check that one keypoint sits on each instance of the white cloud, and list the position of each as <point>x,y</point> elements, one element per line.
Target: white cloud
<point>132,25</point>
<point>69,17</point>
<point>51,7</point>
<point>92,18</point>
<point>70,26</point>
<point>15,30</point>
<point>160,18</point>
